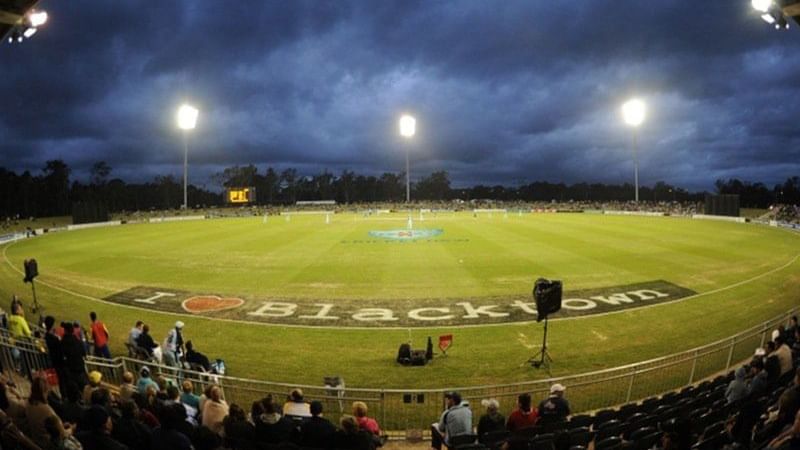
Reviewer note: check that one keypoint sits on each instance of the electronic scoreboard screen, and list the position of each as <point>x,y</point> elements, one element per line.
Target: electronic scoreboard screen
<point>240,195</point>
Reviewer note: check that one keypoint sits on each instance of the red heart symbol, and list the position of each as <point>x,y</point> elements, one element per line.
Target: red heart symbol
<point>208,303</point>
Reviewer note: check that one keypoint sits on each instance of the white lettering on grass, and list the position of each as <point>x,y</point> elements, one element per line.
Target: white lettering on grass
<point>151,300</point>
<point>374,315</point>
<point>274,309</point>
<point>528,308</point>
<point>416,314</point>
<point>476,313</point>
<point>613,299</point>
<point>648,294</point>
<point>578,304</point>
<point>322,314</point>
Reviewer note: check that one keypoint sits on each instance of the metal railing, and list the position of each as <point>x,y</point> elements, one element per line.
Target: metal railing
<point>415,409</point>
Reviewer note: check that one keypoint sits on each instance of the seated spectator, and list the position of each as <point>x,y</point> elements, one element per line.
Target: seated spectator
<point>350,436</point>
<point>364,422</point>
<point>737,388</point>
<point>97,436</point>
<point>129,429</point>
<point>95,378</point>
<point>145,415</point>
<point>784,354</point>
<point>214,411</point>
<point>456,420</point>
<point>145,341</point>
<point>758,379</point>
<point>60,435</point>
<point>12,404</point>
<point>168,436</point>
<point>133,335</point>
<point>523,416</point>
<point>38,410</point>
<point>790,333</point>
<point>196,359</point>
<point>272,428</point>
<point>771,363</point>
<point>295,406</point>
<point>145,381</point>
<point>316,432</point>
<point>491,421</point>
<point>127,388</point>
<point>555,408</point>
<point>10,435</point>
<point>239,433</point>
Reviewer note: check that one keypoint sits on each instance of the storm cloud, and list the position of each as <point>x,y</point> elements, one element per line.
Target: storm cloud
<point>503,92</point>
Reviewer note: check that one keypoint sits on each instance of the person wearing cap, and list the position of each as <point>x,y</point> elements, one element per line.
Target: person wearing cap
<point>554,408</point>
<point>95,378</point>
<point>492,421</point>
<point>173,345</point>
<point>456,420</point>
<point>98,434</point>
<point>145,381</point>
<point>295,405</point>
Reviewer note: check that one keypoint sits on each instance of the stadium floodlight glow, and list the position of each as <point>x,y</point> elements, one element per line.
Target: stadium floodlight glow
<point>633,112</point>
<point>187,120</point>
<point>768,18</point>
<point>761,5</point>
<point>187,117</point>
<point>37,18</point>
<point>29,32</point>
<point>408,127</point>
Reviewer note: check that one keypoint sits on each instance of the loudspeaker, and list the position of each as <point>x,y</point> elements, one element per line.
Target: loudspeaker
<point>404,354</point>
<point>547,294</point>
<point>418,358</point>
<point>31,270</point>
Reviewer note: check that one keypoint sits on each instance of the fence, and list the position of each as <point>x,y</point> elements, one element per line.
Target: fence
<point>402,410</point>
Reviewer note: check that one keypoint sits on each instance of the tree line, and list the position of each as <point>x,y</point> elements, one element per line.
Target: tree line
<point>53,191</point>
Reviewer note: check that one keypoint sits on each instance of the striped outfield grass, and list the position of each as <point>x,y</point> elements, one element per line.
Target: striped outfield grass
<point>482,256</point>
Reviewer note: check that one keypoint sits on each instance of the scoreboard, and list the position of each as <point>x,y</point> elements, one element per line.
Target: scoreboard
<point>240,195</point>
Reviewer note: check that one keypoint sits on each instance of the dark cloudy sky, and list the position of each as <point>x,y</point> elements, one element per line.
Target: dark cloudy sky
<point>503,91</point>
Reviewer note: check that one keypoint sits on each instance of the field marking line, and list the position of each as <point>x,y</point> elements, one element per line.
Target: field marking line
<point>427,327</point>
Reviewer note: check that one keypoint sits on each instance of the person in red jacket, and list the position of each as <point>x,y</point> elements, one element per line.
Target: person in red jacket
<point>100,337</point>
<point>523,416</point>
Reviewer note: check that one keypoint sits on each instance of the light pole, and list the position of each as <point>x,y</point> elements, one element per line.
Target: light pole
<point>633,112</point>
<point>187,120</point>
<point>408,127</point>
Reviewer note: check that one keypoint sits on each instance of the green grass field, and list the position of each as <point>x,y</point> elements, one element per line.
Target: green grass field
<point>483,257</point>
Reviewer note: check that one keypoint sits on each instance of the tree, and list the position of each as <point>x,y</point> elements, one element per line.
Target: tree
<point>436,186</point>
<point>100,171</point>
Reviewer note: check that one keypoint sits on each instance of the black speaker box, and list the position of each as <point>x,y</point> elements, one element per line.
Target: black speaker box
<point>547,294</point>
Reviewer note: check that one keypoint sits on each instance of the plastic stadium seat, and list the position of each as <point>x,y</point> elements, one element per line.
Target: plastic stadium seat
<point>462,440</point>
<point>581,420</point>
<point>626,411</point>
<point>543,442</point>
<point>604,416</point>
<point>639,433</point>
<point>647,442</point>
<point>577,447</point>
<point>493,438</point>
<point>715,442</point>
<point>648,405</point>
<point>608,429</point>
<point>580,436</point>
<point>610,443</point>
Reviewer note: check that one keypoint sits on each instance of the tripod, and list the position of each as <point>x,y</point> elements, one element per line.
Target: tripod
<point>542,359</point>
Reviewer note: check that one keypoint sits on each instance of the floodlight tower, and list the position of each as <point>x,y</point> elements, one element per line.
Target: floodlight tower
<point>187,120</point>
<point>408,127</point>
<point>633,112</point>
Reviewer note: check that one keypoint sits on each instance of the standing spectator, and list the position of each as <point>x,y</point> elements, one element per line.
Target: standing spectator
<point>316,432</point>
<point>364,422</point>
<point>523,416</point>
<point>555,408</point>
<point>37,411</point>
<point>214,411</point>
<point>100,337</point>
<point>74,367</point>
<point>133,335</point>
<point>295,405</point>
<point>491,421</point>
<point>17,325</point>
<point>173,345</point>
<point>53,343</point>
<point>145,381</point>
<point>455,421</point>
<point>98,434</point>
